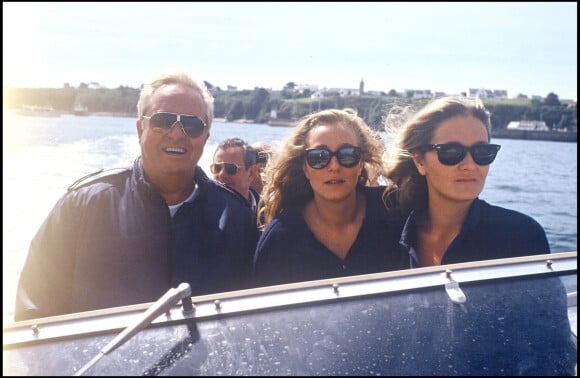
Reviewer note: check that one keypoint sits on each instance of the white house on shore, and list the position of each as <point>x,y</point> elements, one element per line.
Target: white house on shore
<point>488,93</point>
<point>528,125</point>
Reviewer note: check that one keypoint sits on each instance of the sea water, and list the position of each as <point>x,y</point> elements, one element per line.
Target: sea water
<point>42,156</point>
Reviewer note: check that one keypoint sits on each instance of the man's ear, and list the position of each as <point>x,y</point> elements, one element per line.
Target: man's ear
<point>419,160</point>
<point>139,125</point>
<point>255,172</point>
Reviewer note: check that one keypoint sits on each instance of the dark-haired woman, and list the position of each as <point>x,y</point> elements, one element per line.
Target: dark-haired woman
<point>441,158</point>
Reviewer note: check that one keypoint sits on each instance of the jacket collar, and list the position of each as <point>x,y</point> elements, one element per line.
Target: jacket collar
<point>145,187</point>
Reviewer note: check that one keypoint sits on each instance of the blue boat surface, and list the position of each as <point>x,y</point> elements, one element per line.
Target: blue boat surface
<point>513,316</point>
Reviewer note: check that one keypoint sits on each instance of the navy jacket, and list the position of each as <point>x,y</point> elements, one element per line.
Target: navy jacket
<point>289,252</point>
<point>111,242</point>
<point>489,232</point>
<point>508,327</point>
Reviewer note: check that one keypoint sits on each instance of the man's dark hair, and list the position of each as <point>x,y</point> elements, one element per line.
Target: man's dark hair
<point>250,155</point>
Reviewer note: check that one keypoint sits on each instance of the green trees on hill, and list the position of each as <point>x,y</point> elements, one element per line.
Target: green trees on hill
<point>121,100</point>
<point>259,104</point>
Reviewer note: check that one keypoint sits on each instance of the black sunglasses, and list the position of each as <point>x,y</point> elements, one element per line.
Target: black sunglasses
<point>191,125</point>
<point>319,158</point>
<point>453,153</point>
<point>230,168</point>
<point>261,157</point>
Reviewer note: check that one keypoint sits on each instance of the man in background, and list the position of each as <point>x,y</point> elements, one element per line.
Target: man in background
<point>234,164</point>
<point>263,152</point>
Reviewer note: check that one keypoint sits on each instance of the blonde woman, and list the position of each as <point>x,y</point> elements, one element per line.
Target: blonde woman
<point>320,215</point>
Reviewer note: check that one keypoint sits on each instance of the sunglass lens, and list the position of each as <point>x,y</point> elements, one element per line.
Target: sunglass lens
<point>484,154</point>
<point>348,157</point>
<point>451,154</point>
<point>192,125</point>
<point>231,169</point>
<point>215,168</point>
<point>163,120</point>
<point>318,158</point>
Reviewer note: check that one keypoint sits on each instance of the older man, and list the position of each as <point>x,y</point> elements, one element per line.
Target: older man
<point>125,236</point>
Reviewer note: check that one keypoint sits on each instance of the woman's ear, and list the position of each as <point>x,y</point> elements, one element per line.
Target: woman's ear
<point>305,170</point>
<point>419,160</point>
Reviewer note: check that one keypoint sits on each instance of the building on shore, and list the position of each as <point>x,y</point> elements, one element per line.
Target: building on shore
<point>528,125</point>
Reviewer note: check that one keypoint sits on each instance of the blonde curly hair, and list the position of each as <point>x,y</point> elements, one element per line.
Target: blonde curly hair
<point>285,183</point>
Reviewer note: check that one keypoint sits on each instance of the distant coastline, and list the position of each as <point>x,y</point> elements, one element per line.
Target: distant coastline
<point>271,122</point>
<point>552,135</point>
<point>113,114</point>
<point>282,122</point>
<point>285,108</point>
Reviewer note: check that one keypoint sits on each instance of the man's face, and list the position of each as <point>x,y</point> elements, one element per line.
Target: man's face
<point>169,153</point>
<point>240,181</point>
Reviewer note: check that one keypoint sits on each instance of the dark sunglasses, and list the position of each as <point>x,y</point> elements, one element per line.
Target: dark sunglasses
<point>261,157</point>
<point>453,153</point>
<point>319,158</point>
<point>191,125</point>
<point>230,168</point>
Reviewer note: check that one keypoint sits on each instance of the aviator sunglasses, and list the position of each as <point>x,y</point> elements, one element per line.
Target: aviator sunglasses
<point>230,168</point>
<point>319,158</point>
<point>191,125</point>
<point>453,153</point>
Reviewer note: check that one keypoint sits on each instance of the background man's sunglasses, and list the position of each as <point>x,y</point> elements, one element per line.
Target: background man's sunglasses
<point>453,153</point>
<point>319,158</point>
<point>230,168</point>
<point>261,157</point>
<point>191,125</point>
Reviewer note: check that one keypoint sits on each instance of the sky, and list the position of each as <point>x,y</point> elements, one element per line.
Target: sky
<point>523,47</point>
